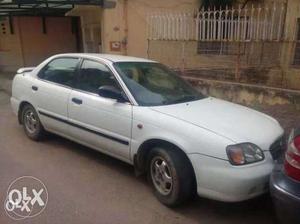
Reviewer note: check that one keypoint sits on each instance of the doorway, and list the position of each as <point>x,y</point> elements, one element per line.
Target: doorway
<point>92,38</point>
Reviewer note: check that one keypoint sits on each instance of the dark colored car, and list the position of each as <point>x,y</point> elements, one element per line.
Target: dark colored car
<point>285,182</point>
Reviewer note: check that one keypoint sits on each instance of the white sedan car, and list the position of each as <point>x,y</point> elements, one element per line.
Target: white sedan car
<point>140,112</point>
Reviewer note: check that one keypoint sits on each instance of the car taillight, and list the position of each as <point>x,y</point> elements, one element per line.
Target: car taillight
<point>292,158</point>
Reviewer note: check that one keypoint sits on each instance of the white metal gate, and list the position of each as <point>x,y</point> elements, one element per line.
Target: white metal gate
<point>234,24</point>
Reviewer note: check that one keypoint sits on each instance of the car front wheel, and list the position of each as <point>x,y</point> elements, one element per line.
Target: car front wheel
<point>171,175</point>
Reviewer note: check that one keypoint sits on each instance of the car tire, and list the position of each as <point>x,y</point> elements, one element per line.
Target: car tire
<point>171,176</point>
<point>31,123</point>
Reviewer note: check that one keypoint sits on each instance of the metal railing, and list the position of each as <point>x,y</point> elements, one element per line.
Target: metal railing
<point>234,24</point>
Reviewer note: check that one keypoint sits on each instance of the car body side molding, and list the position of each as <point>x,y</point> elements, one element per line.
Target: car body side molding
<point>85,128</point>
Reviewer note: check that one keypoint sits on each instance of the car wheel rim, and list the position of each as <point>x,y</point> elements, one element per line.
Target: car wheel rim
<point>161,175</point>
<point>31,122</point>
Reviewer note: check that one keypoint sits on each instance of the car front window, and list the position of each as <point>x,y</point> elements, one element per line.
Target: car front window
<point>94,75</point>
<point>153,84</point>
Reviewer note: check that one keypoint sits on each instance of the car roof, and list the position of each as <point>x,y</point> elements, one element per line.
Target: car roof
<point>109,57</point>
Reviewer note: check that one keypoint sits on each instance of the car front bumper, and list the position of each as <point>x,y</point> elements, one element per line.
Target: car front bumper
<point>219,180</point>
<point>285,193</point>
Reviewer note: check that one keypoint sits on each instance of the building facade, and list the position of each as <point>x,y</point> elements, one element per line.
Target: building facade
<point>123,27</point>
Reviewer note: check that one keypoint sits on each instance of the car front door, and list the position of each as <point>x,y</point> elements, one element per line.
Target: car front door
<point>52,90</point>
<point>99,122</point>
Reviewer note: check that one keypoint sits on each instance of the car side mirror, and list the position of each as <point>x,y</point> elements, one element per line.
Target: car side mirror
<point>112,92</point>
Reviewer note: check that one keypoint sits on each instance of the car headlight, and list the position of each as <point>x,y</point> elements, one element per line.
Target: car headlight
<point>244,153</point>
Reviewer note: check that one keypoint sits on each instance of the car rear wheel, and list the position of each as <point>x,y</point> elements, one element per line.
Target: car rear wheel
<point>31,123</point>
<point>171,176</point>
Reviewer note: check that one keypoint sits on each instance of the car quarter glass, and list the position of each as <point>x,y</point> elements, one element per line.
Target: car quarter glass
<point>60,71</point>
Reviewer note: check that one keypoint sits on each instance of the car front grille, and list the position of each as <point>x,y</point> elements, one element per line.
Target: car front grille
<point>277,149</point>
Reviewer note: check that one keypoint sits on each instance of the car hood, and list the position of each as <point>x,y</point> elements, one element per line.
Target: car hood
<point>232,121</point>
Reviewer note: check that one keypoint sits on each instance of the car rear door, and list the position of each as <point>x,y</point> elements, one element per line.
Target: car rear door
<point>99,122</point>
<point>52,90</point>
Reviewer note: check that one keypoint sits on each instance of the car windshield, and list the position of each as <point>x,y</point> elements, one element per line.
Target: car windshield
<point>153,84</point>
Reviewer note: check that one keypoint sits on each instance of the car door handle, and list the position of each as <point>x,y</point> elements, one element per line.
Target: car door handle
<point>34,88</point>
<point>77,101</point>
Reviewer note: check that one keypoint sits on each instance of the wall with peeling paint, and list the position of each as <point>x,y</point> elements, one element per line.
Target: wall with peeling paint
<point>246,94</point>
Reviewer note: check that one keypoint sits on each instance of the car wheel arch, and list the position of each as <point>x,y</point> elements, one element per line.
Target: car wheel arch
<point>140,158</point>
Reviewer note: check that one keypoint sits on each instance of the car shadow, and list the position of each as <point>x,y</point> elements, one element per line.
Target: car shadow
<point>258,210</point>
<point>93,155</point>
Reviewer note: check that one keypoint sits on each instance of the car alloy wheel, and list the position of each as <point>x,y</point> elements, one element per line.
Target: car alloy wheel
<point>161,175</point>
<point>30,121</point>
